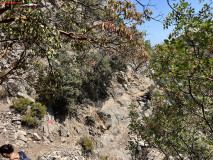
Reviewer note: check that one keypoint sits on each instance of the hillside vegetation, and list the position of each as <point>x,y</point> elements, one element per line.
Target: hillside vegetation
<point>64,52</point>
<point>68,50</point>
<point>181,125</point>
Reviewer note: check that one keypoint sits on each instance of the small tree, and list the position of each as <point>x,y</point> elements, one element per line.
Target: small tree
<point>181,124</point>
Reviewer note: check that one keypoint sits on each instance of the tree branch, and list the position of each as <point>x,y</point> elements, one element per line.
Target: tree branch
<point>8,20</point>
<point>5,51</point>
<point>202,106</point>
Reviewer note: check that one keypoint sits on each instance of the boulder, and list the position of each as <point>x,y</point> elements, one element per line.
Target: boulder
<point>36,137</point>
<point>21,135</point>
<point>64,132</point>
<point>51,138</point>
<point>105,117</point>
<point>23,95</point>
<point>15,119</point>
<point>124,100</point>
<point>46,129</point>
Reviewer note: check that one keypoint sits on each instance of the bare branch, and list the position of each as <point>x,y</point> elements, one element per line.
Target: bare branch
<point>8,20</point>
<point>145,9</point>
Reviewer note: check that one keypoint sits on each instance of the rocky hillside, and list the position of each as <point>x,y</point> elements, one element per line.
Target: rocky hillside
<point>106,124</point>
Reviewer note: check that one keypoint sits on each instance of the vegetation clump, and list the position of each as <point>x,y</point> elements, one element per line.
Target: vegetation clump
<point>38,110</point>
<point>86,144</point>
<point>30,121</point>
<point>21,104</point>
<point>181,125</point>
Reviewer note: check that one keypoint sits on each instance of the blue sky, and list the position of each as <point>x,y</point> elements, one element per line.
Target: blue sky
<point>155,32</point>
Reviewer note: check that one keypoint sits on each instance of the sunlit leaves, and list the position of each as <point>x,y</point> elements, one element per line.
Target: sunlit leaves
<point>181,123</point>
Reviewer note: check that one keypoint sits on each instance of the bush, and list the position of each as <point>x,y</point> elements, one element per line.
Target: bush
<point>60,88</point>
<point>72,109</point>
<point>98,77</point>
<point>29,121</point>
<point>38,110</point>
<point>87,145</point>
<point>21,104</point>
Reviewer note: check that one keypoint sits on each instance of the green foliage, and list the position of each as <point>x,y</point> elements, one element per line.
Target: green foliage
<point>86,144</point>
<point>148,47</point>
<point>38,110</point>
<point>21,104</point>
<point>98,75</point>
<point>72,109</point>
<point>60,88</point>
<point>30,121</point>
<point>41,34</point>
<point>75,60</point>
<point>181,123</point>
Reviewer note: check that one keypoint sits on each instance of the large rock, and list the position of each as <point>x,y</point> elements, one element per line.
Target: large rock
<point>46,129</point>
<point>124,100</point>
<point>24,95</point>
<point>36,137</point>
<point>14,119</point>
<point>21,135</point>
<point>105,117</point>
<point>64,132</point>
<point>51,138</point>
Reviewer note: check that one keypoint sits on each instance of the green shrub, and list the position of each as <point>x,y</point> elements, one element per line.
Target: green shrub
<point>38,110</point>
<point>87,144</point>
<point>60,88</point>
<point>72,108</point>
<point>29,121</point>
<point>21,104</point>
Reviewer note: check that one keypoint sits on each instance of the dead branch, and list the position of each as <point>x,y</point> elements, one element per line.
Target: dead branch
<point>5,51</point>
<point>3,77</point>
<point>12,19</point>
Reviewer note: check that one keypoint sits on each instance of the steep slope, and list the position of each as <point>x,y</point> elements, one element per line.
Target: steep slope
<point>108,128</point>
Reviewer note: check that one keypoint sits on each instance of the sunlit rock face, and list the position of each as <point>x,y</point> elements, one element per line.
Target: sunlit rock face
<point>105,124</point>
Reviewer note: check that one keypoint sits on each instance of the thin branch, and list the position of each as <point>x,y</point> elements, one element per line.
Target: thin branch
<point>2,78</point>
<point>6,40</point>
<point>5,51</point>
<point>176,151</point>
<point>12,19</point>
<point>202,106</point>
<point>144,10</point>
<point>186,14</point>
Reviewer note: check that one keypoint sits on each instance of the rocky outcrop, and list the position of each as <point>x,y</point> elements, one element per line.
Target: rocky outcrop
<point>106,125</point>
<point>62,155</point>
